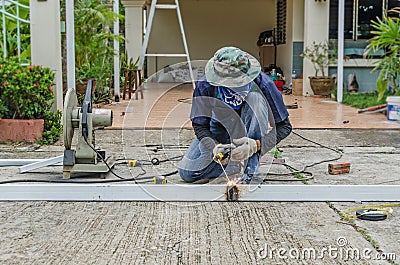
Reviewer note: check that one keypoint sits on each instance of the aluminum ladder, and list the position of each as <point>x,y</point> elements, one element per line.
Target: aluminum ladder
<point>143,54</point>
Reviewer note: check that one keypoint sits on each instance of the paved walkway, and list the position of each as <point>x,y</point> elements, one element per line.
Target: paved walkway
<point>167,105</point>
<point>211,232</point>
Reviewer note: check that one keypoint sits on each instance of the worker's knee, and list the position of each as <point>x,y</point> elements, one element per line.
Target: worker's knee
<point>186,175</point>
<point>283,129</point>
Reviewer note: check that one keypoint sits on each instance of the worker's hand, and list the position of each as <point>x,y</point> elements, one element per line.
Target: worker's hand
<point>245,148</point>
<point>221,148</point>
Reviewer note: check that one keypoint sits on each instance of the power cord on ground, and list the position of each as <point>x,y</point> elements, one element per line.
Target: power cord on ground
<point>137,179</point>
<point>295,171</point>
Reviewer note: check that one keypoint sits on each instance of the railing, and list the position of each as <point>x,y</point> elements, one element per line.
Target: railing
<point>7,15</point>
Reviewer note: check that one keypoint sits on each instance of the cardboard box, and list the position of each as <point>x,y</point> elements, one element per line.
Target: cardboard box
<point>297,86</point>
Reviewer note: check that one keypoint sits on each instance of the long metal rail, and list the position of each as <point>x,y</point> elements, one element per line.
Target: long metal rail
<point>191,193</point>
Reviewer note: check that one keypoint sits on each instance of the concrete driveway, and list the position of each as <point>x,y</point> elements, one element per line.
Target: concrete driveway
<point>206,233</point>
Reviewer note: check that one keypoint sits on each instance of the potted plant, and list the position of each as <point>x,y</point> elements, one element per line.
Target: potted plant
<point>318,54</point>
<point>26,99</point>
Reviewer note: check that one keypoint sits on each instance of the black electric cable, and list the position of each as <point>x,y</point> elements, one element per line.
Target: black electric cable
<point>154,161</point>
<point>303,170</point>
<point>323,146</point>
<point>136,179</point>
<point>102,158</point>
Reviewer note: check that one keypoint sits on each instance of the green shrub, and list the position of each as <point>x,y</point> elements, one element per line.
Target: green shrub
<point>52,128</point>
<point>26,92</point>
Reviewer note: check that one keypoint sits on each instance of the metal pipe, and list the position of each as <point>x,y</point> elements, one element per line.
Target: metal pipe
<point>18,162</point>
<point>116,52</point>
<point>18,35</point>
<point>340,51</point>
<point>69,5</point>
<point>190,193</point>
<point>18,4</point>
<point>3,3</point>
<point>14,17</point>
<point>40,164</point>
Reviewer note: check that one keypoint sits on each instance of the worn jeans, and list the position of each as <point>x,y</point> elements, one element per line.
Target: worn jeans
<point>253,123</point>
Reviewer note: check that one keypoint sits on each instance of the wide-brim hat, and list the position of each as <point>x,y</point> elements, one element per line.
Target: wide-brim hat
<point>232,67</point>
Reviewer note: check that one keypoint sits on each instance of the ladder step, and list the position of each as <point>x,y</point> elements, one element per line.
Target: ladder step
<point>166,6</point>
<point>167,55</point>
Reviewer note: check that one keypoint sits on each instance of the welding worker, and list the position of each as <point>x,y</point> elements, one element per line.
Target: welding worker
<point>232,107</point>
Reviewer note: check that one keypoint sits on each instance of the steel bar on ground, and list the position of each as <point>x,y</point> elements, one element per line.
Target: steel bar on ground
<point>190,193</point>
<point>40,164</point>
<point>19,162</point>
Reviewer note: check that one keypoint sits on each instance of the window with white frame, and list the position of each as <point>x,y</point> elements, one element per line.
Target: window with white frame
<point>359,15</point>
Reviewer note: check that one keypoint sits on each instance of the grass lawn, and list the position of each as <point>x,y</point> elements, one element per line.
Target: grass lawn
<point>361,100</point>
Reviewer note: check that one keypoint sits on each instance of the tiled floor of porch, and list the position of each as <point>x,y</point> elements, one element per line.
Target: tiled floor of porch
<point>168,106</point>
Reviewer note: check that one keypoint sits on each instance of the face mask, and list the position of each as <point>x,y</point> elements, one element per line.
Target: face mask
<point>234,98</point>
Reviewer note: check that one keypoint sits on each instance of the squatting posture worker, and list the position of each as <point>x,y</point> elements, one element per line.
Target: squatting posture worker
<point>235,107</point>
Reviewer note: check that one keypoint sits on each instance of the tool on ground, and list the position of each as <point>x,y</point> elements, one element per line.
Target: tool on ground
<point>377,212</point>
<point>372,214</point>
<point>152,179</point>
<point>372,108</point>
<point>159,180</point>
<point>85,158</point>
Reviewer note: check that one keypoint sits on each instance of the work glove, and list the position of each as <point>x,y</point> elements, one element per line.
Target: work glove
<point>245,148</point>
<point>221,148</point>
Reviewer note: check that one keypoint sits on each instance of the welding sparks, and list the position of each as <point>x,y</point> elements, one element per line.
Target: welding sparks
<point>223,169</point>
<point>232,191</point>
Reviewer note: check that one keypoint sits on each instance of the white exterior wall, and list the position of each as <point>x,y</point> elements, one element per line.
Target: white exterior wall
<point>298,20</point>
<point>133,27</point>
<point>209,25</point>
<point>285,51</point>
<point>46,41</point>
<point>316,28</point>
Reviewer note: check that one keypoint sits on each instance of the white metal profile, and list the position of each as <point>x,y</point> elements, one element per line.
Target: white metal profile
<point>70,35</point>
<point>191,193</point>
<point>340,52</point>
<point>70,32</point>
<point>116,51</point>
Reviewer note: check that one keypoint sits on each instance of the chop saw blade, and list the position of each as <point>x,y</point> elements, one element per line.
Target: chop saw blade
<point>70,103</point>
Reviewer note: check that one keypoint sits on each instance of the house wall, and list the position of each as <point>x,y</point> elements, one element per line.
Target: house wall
<point>298,20</point>
<point>209,25</point>
<point>46,42</point>
<point>298,36</point>
<point>316,28</point>
<point>285,51</point>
